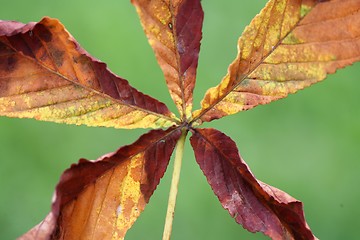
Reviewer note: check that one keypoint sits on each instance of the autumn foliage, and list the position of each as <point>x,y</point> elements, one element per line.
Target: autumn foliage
<point>46,75</point>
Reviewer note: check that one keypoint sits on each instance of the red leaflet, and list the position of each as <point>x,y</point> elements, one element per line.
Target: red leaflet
<point>253,204</point>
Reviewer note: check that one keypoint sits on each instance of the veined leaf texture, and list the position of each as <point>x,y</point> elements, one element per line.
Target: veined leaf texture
<point>46,75</point>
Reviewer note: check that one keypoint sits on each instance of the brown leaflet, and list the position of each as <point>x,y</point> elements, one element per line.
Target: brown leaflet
<point>174,32</point>
<point>102,199</point>
<point>256,206</point>
<point>290,45</point>
<point>46,75</point>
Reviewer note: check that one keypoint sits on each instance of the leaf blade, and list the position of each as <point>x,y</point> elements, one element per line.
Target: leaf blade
<point>95,198</point>
<point>46,75</point>
<point>286,48</point>
<point>256,206</point>
<point>173,29</point>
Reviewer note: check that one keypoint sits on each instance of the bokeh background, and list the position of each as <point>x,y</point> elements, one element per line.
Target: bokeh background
<point>307,144</point>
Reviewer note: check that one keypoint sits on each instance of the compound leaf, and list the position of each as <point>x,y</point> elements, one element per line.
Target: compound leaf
<point>46,75</point>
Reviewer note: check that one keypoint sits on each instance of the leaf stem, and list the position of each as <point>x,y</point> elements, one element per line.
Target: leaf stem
<point>174,186</point>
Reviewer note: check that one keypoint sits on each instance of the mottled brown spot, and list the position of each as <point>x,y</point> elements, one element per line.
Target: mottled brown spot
<point>43,33</point>
<point>58,57</point>
<point>11,63</point>
<point>81,59</point>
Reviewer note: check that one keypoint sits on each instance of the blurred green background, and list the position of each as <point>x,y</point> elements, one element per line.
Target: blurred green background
<point>306,145</point>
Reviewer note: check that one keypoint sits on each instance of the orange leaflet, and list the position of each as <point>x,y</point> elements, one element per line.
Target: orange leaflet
<point>102,199</point>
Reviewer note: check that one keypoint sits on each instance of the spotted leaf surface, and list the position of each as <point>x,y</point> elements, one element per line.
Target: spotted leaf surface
<point>46,75</point>
<point>290,45</point>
